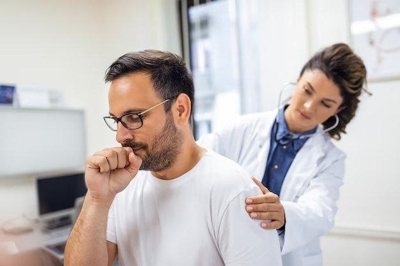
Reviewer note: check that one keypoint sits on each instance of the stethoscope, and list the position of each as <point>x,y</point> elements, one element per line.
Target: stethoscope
<point>280,105</point>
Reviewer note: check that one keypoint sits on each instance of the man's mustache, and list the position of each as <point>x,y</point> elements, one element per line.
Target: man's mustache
<point>134,145</point>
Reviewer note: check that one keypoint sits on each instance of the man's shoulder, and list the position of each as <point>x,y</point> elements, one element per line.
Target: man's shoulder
<point>225,173</point>
<point>222,163</point>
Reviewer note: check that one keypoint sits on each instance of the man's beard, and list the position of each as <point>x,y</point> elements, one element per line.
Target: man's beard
<point>166,146</point>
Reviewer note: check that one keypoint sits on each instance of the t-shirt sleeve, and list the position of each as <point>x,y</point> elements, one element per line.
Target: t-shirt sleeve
<point>111,231</point>
<point>242,241</point>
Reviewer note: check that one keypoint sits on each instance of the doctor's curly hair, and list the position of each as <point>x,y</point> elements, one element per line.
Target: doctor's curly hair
<point>344,68</point>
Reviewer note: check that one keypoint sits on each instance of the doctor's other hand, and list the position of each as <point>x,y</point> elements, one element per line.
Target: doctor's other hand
<point>109,171</point>
<point>266,207</point>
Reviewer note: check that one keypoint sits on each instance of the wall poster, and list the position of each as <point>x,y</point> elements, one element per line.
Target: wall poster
<point>375,36</point>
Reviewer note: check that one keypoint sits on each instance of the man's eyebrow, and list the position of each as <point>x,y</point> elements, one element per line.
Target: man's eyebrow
<point>131,111</point>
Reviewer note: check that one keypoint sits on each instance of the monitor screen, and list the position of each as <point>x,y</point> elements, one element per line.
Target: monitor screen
<point>57,194</point>
<point>56,141</point>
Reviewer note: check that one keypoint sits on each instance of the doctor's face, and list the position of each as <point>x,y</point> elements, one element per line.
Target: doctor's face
<point>158,141</point>
<point>316,98</point>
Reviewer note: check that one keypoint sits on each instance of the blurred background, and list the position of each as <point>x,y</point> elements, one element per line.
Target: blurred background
<point>240,53</point>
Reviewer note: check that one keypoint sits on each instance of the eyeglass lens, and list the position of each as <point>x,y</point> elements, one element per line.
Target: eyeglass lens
<point>130,121</point>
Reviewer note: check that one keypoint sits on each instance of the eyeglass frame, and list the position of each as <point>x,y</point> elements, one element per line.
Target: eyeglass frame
<point>139,114</point>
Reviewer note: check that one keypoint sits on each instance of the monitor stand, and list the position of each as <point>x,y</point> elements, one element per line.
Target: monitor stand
<point>56,223</point>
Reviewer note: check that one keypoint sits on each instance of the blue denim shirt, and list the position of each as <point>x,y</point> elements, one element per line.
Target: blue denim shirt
<point>283,149</point>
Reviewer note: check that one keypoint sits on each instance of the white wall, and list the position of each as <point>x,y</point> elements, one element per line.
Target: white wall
<point>283,45</point>
<point>67,45</point>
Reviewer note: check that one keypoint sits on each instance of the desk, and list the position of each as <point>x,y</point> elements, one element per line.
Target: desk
<point>37,241</point>
<point>37,238</point>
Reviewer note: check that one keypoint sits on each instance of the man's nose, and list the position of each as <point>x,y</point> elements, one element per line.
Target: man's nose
<point>123,134</point>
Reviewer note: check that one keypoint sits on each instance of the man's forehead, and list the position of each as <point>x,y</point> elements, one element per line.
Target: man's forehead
<point>133,93</point>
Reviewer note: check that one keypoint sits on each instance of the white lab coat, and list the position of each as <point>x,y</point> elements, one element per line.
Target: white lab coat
<point>310,189</point>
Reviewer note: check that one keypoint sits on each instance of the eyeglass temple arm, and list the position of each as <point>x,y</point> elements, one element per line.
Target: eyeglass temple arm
<point>142,113</point>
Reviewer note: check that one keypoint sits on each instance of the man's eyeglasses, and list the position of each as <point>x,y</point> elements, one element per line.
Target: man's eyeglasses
<point>130,121</point>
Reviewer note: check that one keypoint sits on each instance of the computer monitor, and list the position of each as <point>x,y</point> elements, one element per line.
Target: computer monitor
<point>56,142</point>
<point>56,196</point>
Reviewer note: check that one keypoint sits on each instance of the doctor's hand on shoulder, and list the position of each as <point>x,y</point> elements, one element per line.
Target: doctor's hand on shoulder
<point>266,207</point>
<point>109,171</point>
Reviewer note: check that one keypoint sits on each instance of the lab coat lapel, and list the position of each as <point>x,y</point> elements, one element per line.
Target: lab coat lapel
<point>303,167</point>
<point>263,144</point>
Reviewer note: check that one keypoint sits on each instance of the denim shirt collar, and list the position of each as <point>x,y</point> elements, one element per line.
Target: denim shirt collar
<point>284,132</point>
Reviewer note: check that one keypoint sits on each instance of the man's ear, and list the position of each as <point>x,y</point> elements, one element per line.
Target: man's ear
<point>181,108</point>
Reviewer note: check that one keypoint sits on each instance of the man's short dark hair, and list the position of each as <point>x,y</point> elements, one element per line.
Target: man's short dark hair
<point>168,72</point>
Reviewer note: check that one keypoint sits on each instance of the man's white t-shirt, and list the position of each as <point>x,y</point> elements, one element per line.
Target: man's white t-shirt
<point>196,219</point>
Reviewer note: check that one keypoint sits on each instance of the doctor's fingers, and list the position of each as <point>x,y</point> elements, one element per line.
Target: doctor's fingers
<point>271,224</point>
<point>269,197</point>
<point>111,159</point>
<point>264,207</point>
<point>263,189</point>
<point>271,216</point>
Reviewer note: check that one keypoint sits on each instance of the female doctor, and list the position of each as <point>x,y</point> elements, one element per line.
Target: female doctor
<point>291,153</point>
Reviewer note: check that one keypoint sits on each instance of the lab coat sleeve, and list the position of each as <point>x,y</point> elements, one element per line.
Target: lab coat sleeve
<point>212,141</point>
<point>312,214</point>
<point>234,140</point>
